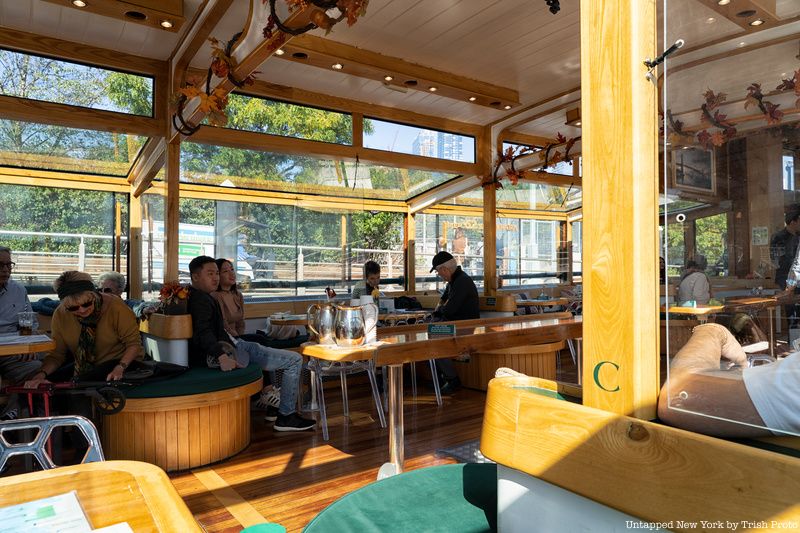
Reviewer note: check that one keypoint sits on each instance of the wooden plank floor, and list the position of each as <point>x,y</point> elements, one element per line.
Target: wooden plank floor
<point>290,477</point>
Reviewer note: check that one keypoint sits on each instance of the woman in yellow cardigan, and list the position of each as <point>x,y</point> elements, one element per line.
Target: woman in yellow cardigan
<point>99,332</point>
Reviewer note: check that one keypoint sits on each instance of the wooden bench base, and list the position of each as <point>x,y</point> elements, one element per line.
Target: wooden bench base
<point>536,360</point>
<point>181,432</point>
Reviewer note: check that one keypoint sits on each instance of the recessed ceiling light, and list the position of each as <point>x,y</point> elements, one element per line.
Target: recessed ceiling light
<point>473,98</point>
<point>506,107</point>
<point>433,89</point>
<point>165,24</point>
<point>741,44</point>
<point>78,3</point>
<point>686,147</point>
<point>710,20</point>
<point>757,22</point>
<point>279,52</point>
<point>723,2</point>
<point>578,123</point>
<point>387,78</point>
<point>337,66</point>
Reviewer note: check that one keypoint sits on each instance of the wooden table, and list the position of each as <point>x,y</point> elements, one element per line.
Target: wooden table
<point>110,492</point>
<point>26,348</point>
<point>702,312</point>
<point>397,346</point>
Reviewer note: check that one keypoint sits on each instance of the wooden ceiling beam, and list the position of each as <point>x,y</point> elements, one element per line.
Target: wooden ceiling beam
<point>70,51</point>
<point>249,140</point>
<point>149,13</point>
<point>322,53</point>
<point>525,139</point>
<point>743,13</point>
<point>27,110</point>
<point>195,37</point>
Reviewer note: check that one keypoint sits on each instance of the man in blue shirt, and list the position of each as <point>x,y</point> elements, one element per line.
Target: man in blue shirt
<point>13,300</point>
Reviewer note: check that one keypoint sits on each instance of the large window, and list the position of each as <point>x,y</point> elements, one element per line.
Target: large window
<point>63,82</point>
<point>462,236</point>
<point>393,137</point>
<point>51,230</point>
<point>263,115</point>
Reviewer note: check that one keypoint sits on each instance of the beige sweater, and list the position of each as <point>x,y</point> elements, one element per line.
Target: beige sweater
<point>116,331</point>
<point>232,305</point>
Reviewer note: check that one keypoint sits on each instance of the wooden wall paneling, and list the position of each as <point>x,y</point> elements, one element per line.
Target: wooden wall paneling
<point>620,199</point>
<point>171,217</point>
<point>171,426</point>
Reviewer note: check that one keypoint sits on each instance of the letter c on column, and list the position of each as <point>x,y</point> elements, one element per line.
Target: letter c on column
<point>596,374</point>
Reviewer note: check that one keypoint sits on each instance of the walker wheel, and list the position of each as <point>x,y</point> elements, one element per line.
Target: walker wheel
<point>110,400</point>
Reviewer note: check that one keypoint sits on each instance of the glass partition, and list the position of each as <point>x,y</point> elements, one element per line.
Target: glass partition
<point>405,139</point>
<point>462,236</point>
<point>731,219</point>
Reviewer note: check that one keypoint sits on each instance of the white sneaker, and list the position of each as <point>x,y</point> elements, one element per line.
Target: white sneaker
<point>271,397</point>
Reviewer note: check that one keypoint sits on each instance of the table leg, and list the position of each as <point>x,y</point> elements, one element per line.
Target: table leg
<point>396,440</point>
<point>771,334</point>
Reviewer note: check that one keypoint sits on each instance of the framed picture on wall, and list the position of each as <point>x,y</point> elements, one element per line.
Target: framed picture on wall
<point>692,169</point>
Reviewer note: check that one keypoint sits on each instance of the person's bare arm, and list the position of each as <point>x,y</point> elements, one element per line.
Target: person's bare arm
<point>700,397</point>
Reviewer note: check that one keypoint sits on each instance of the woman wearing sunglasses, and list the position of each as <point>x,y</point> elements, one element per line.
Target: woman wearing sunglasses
<point>98,331</point>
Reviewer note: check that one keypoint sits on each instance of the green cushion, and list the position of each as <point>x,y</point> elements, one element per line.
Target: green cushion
<point>196,381</point>
<point>446,498</point>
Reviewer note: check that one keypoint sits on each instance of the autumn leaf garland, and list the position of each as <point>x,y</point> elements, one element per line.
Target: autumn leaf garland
<point>512,153</point>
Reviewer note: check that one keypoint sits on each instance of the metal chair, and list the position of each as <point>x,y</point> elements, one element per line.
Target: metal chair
<point>37,446</point>
<point>321,369</point>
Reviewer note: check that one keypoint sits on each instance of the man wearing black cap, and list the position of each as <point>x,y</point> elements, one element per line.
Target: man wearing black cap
<point>459,302</point>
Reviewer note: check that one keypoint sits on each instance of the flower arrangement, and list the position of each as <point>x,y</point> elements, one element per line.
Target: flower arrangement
<point>172,295</point>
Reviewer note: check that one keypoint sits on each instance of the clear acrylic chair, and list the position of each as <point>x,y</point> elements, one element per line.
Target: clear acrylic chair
<point>37,446</point>
<point>321,369</point>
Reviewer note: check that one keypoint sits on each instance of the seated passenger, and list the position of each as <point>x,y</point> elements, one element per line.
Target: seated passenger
<point>695,285</point>
<point>209,333</point>
<point>459,302</point>
<point>369,285</point>
<point>700,397</point>
<point>114,283</point>
<point>97,330</point>
<point>13,300</point>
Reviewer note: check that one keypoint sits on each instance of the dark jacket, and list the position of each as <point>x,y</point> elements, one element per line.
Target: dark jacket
<point>207,327</point>
<point>460,298</point>
<point>782,249</point>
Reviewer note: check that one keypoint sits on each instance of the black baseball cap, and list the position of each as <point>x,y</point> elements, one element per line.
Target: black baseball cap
<point>440,258</point>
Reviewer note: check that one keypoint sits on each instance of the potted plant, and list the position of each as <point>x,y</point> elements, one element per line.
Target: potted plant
<point>174,298</point>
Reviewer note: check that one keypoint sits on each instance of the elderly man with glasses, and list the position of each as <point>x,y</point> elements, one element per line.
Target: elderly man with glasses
<point>459,302</point>
<point>115,283</point>
<point>13,300</point>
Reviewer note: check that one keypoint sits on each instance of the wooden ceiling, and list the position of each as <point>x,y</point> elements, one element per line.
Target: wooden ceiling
<point>517,48</point>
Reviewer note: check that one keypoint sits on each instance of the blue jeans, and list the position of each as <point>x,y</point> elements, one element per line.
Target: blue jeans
<point>274,359</point>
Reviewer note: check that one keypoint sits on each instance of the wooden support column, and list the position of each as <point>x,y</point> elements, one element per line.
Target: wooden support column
<point>620,201</point>
<point>171,208</point>
<point>358,130</point>
<point>134,247</point>
<point>485,153</point>
<point>409,247</point>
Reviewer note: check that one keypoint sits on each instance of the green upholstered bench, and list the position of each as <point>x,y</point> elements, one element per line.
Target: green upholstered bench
<point>199,417</point>
<point>446,498</point>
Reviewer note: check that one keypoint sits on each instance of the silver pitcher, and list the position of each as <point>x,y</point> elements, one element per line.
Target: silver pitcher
<point>320,321</point>
<point>349,326</point>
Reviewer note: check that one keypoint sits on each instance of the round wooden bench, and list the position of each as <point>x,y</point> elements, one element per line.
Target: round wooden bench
<point>534,360</point>
<point>197,418</point>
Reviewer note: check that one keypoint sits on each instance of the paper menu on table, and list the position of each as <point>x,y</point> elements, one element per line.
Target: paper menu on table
<point>23,339</point>
<point>61,513</point>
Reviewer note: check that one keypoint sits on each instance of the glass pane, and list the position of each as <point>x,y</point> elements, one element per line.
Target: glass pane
<point>731,220</point>
<point>263,115</point>
<point>462,236</point>
<point>152,206</point>
<point>50,230</point>
<point>62,82</point>
<point>45,147</point>
<point>249,169</point>
<point>538,197</point>
<point>377,236</point>
<point>393,137</point>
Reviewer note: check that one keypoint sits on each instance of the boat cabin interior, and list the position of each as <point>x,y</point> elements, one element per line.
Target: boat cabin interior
<point>557,150</point>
